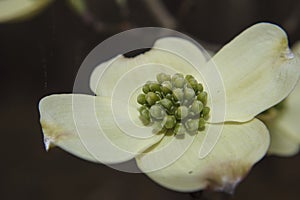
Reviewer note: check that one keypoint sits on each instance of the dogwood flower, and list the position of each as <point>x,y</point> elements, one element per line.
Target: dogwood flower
<point>283,122</point>
<point>166,121</point>
<point>11,10</point>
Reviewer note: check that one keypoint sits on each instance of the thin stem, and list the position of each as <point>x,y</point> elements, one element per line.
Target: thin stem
<point>124,8</point>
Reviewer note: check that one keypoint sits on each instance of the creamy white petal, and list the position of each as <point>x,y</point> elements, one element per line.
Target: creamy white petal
<point>18,9</point>
<point>285,129</point>
<point>258,71</point>
<point>282,141</point>
<point>289,118</point>
<point>85,126</point>
<point>175,53</point>
<point>240,146</point>
<point>189,50</point>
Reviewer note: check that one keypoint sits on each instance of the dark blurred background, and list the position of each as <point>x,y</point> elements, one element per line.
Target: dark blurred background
<point>41,56</point>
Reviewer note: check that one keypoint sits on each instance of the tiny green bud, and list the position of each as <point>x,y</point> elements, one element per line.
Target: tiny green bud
<point>179,129</point>
<point>154,87</point>
<point>166,103</point>
<point>169,96</point>
<point>201,124</point>
<point>189,93</point>
<point>173,110</point>
<point>145,116</point>
<point>157,112</point>
<point>151,98</point>
<point>142,108</point>
<point>199,88</point>
<point>188,77</point>
<point>145,113</point>
<point>166,87</point>
<point>202,97</point>
<point>192,125</point>
<point>169,121</point>
<point>181,112</point>
<point>178,82</point>
<point>161,77</point>
<point>141,99</point>
<point>159,94</point>
<point>178,94</point>
<point>196,107</point>
<point>206,117</point>
<point>145,121</point>
<point>146,88</point>
<point>193,83</point>
<point>175,76</point>
<point>205,111</point>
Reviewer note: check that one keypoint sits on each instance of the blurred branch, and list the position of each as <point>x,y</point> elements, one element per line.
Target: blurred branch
<point>78,6</point>
<point>160,12</point>
<point>123,5</point>
<point>81,8</point>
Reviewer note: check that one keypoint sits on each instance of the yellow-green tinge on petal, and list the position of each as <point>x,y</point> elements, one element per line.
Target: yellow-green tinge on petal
<point>84,125</point>
<point>258,71</point>
<point>240,146</point>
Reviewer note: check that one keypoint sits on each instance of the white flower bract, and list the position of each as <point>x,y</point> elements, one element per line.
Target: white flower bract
<point>256,71</point>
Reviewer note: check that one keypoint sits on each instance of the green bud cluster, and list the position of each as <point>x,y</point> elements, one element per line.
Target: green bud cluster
<point>174,104</point>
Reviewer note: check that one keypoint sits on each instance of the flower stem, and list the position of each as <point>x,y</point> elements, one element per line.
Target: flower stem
<point>161,13</point>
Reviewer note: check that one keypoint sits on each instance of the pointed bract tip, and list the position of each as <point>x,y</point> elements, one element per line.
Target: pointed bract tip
<point>47,143</point>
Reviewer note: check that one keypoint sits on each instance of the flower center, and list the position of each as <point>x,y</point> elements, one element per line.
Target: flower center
<point>174,104</point>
